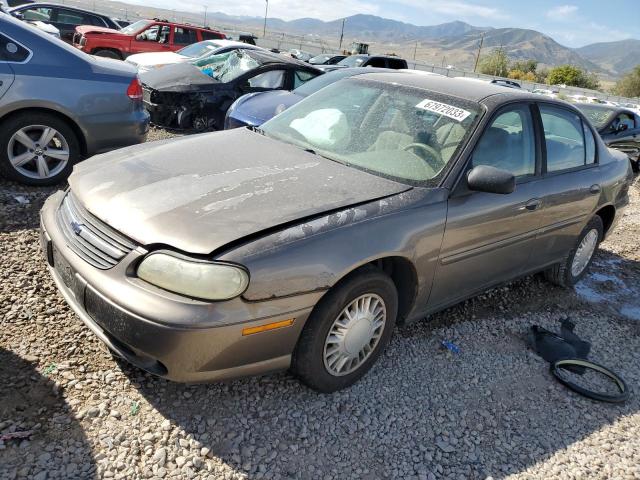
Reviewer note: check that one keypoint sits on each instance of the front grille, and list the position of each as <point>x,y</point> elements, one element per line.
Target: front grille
<point>91,239</point>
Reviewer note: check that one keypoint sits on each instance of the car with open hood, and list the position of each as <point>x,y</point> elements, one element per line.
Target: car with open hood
<point>145,62</point>
<point>142,36</point>
<point>379,199</point>
<point>618,127</point>
<point>196,95</point>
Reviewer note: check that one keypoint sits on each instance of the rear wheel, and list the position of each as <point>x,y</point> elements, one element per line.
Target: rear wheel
<point>37,149</point>
<point>576,263</point>
<point>346,332</point>
<point>108,54</point>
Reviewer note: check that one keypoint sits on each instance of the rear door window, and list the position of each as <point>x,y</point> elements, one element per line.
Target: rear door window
<point>377,63</point>
<point>208,35</point>
<point>396,63</point>
<point>564,139</point>
<point>184,36</point>
<point>508,143</point>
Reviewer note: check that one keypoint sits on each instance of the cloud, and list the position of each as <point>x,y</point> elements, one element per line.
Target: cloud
<point>562,12</point>
<point>459,10</point>
<point>284,9</point>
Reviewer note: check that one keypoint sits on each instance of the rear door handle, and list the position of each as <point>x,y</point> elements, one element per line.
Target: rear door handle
<point>595,189</point>
<point>532,204</point>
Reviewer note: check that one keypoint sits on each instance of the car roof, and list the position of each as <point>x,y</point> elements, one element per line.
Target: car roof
<point>266,57</point>
<point>57,5</point>
<point>456,87</point>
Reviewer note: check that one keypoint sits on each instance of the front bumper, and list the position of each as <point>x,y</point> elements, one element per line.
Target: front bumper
<point>170,336</point>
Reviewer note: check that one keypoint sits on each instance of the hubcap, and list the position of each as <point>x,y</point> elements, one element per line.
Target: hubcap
<point>38,151</point>
<point>584,252</point>
<point>354,335</point>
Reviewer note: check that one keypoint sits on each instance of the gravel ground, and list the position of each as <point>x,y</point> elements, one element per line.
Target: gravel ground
<point>491,410</point>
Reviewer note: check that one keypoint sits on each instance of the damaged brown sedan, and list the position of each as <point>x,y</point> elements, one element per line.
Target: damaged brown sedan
<point>196,95</point>
<point>380,199</point>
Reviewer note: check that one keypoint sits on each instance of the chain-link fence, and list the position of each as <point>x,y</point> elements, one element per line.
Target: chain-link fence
<point>285,42</point>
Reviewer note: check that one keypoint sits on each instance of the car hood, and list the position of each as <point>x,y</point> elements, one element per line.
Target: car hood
<point>156,58</point>
<point>200,193</point>
<point>257,108</point>
<point>181,77</point>
<point>84,29</point>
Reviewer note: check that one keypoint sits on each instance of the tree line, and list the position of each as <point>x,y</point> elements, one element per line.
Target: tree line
<point>497,63</point>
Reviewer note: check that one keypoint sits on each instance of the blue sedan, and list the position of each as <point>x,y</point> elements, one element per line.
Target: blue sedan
<point>254,109</point>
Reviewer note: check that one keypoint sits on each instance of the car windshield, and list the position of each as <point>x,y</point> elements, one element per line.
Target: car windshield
<point>406,134</point>
<point>598,116</point>
<point>199,49</point>
<point>319,59</point>
<point>321,81</point>
<point>352,61</point>
<point>135,27</point>
<point>228,66</point>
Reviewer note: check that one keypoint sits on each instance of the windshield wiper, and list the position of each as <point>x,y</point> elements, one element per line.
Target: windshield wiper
<point>312,151</point>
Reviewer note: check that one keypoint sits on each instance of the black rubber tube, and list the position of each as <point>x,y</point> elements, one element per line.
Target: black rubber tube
<point>601,397</point>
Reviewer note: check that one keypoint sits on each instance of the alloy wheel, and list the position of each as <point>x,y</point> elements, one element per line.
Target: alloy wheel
<point>38,151</point>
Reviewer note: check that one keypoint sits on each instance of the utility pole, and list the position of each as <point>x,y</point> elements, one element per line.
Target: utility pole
<point>342,34</point>
<point>266,12</point>
<point>205,15</point>
<point>415,51</point>
<point>479,50</point>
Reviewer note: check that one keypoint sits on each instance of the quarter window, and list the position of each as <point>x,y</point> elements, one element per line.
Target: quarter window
<point>565,139</point>
<point>300,77</point>
<point>508,143</point>
<point>10,51</point>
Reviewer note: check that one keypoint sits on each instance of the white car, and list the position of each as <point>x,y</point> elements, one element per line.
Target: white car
<point>546,93</point>
<point>152,60</point>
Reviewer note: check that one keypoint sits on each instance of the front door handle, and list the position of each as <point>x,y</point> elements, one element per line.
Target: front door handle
<point>595,189</point>
<point>532,204</point>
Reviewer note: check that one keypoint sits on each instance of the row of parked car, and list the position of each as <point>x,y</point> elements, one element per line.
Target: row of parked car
<point>210,257</point>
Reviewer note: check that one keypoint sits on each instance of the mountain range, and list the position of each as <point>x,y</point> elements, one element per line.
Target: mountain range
<point>457,42</point>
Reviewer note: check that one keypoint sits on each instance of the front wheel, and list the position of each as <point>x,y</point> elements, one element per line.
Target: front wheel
<point>346,332</point>
<point>576,263</point>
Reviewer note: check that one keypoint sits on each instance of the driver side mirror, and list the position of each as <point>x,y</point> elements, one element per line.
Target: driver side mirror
<point>621,127</point>
<point>485,178</point>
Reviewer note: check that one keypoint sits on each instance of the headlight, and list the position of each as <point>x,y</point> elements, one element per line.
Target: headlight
<point>193,277</point>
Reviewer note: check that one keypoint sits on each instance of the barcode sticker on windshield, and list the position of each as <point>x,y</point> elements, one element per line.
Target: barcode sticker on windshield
<point>444,109</point>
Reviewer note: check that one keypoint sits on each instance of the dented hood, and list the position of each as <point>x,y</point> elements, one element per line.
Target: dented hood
<point>202,192</point>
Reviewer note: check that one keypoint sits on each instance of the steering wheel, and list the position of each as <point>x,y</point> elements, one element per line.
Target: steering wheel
<point>434,159</point>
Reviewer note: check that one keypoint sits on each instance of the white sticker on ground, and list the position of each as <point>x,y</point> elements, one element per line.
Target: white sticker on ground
<point>443,109</point>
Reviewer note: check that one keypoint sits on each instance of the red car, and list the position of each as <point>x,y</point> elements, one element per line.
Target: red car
<point>140,37</point>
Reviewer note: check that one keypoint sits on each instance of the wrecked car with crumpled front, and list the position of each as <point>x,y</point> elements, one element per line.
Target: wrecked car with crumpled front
<point>197,95</point>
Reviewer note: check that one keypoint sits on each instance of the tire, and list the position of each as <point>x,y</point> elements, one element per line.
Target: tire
<point>635,166</point>
<point>562,273</point>
<point>31,172</point>
<point>309,363</point>
<point>108,54</point>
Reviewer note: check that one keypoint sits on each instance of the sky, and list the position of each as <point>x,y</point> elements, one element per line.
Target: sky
<point>573,24</point>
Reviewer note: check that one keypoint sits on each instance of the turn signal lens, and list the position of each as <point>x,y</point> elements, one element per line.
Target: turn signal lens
<point>267,327</point>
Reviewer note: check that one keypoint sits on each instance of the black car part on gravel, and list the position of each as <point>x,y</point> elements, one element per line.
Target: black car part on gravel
<point>585,364</point>
<point>569,352</point>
